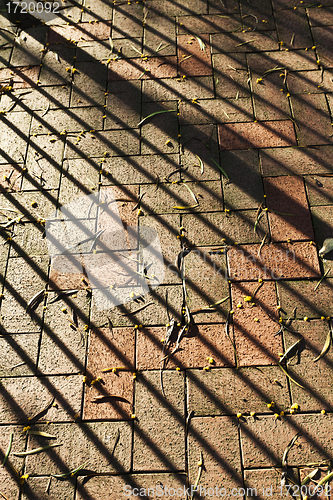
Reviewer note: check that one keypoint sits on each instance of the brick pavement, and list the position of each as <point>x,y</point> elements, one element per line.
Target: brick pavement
<point>235,165</point>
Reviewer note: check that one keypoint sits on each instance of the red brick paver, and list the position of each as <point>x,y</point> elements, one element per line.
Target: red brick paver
<point>218,208</point>
<point>256,135</point>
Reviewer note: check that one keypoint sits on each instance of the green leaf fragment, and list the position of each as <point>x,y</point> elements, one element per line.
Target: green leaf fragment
<point>71,472</point>
<point>325,348</point>
<point>325,480</point>
<point>310,476</point>
<point>8,449</point>
<point>201,44</point>
<point>154,114</point>
<point>321,279</point>
<point>292,351</point>
<point>200,164</point>
<point>192,194</point>
<point>288,448</point>
<point>327,247</point>
<point>290,377</point>
<point>223,172</point>
<point>36,450</point>
<point>42,434</point>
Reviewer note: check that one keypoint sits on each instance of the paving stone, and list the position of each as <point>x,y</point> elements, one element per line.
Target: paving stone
<point>123,105</point>
<point>217,438</point>
<point>199,141</point>
<point>10,177</point>
<point>315,377</point>
<point>23,77</point>
<point>155,67</point>
<point>296,161</point>
<point>281,199</point>
<point>56,61</point>
<point>244,42</point>
<point>285,4</point>
<point>167,228</point>
<point>110,349</point>
<point>255,341</point>
<point>264,440</point>
<point>310,82</point>
<point>15,348</point>
<point>319,190</point>
<point>198,87</point>
<point>263,14</point>
<point>166,8</point>
<point>5,57</point>
<point>43,162</point>
<point>159,34</point>
<point>63,344</point>
<point>127,21</point>
<point>244,188</point>
<point>35,487</point>
<point>10,484</point>
<point>93,50</point>
<point>270,99</point>
<point>301,294</point>
<point>29,237</point>
<point>201,343</point>
<point>160,133</point>
<point>159,428</point>
<point>78,179</point>
<point>95,440</point>
<point>112,142</point>
<point>231,77</point>
<point>294,60</point>
<point>200,63</point>
<point>71,15</point>
<point>309,110</point>
<point>322,36</point>
<point>293,29</point>
<point>7,476</point>
<point>23,281</point>
<point>256,135</point>
<point>155,314</point>
<point>170,196</point>
<point>227,391</point>
<point>40,98</point>
<point>7,37</point>
<point>32,205</point>
<point>14,136</point>
<point>98,10</point>
<point>28,52</point>
<point>206,284</point>
<point>27,397</point>
<point>126,48</point>
<point>139,169</point>
<point>117,407</point>
<point>322,218</point>
<point>320,17</point>
<point>89,84</point>
<point>208,23</point>
<point>73,120</point>
<point>67,273</point>
<point>277,261</point>
<point>81,31</point>
<point>112,488</point>
<point>216,111</point>
<point>262,482</point>
<point>215,229</point>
